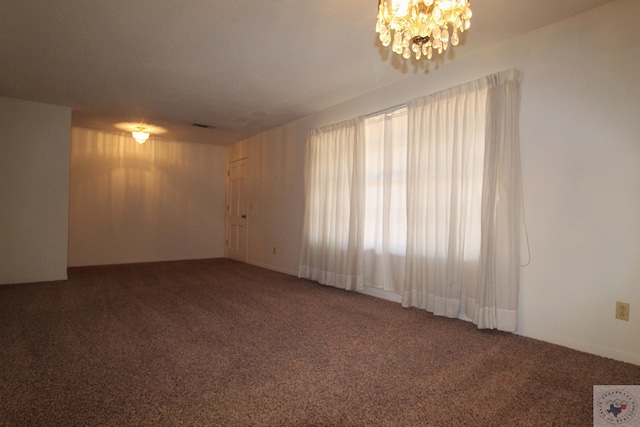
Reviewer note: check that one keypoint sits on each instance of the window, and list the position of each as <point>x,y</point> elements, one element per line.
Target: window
<point>423,200</point>
<point>385,227</point>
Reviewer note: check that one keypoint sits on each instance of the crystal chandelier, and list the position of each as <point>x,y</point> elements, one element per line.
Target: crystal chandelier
<point>422,26</point>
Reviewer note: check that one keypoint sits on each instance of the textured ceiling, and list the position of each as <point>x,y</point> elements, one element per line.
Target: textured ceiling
<point>243,66</point>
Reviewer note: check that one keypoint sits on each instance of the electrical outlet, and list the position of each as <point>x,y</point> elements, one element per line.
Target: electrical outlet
<point>622,310</point>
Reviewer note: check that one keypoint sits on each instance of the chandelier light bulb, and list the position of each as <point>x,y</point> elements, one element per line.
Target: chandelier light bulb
<point>421,26</point>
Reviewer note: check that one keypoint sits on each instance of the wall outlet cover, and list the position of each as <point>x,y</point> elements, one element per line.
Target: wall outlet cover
<point>622,310</point>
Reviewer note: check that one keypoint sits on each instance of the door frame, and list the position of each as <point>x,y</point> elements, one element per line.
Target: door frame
<point>227,211</point>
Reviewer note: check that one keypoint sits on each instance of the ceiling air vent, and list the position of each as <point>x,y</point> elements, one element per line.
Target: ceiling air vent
<point>200,125</point>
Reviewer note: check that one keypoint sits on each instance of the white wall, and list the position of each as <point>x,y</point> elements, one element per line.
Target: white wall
<point>162,200</point>
<point>34,191</point>
<point>581,173</point>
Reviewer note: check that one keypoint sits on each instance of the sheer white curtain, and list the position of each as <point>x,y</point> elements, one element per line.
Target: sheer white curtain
<point>445,154</point>
<point>463,201</point>
<point>423,201</point>
<point>495,299</point>
<point>333,225</point>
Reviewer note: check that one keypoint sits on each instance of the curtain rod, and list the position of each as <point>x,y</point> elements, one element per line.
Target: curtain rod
<point>386,110</point>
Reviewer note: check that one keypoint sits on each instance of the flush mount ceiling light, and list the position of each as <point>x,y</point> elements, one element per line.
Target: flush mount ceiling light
<point>140,131</point>
<point>422,26</point>
<point>140,135</point>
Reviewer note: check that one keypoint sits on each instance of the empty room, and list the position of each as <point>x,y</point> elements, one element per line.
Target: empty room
<point>411,213</point>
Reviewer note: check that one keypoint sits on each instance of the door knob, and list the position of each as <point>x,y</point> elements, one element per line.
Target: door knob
<point>244,216</point>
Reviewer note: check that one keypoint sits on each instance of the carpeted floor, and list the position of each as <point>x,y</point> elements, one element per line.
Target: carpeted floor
<point>220,343</point>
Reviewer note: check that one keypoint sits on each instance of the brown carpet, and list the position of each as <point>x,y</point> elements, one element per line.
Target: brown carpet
<point>216,342</point>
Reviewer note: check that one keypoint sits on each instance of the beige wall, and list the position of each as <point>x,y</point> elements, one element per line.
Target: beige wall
<point>162,200</point>
<point>581,174</point>
<point>34,191</point>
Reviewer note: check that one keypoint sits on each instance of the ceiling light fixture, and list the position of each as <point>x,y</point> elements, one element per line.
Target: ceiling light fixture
<point>422,26</point>
<point>140,135</point>
<point>140,130</point>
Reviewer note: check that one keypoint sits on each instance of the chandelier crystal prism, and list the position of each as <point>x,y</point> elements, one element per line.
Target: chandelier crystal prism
<point>420,27</point>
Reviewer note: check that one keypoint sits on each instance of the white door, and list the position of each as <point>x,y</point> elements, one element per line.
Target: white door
<point>237,211</point>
